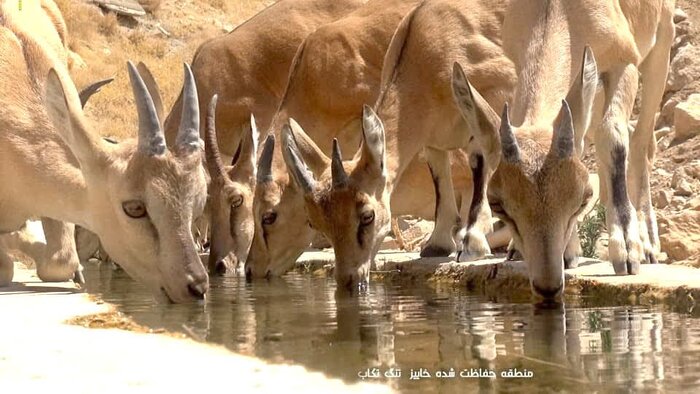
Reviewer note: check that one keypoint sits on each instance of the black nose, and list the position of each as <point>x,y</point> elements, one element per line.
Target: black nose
<point>248,274</point>
<point>197,289</point>
<point>548,292</point>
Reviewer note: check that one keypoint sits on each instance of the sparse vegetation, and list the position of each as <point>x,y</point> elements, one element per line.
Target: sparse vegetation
<point>106,42</point>
<point>109,25</point>
<point>590,229</point>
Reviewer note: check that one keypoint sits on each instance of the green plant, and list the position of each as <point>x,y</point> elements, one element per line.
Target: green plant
<point>589,230</point>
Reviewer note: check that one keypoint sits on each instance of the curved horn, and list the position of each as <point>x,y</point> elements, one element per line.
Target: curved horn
<point>265,163</point>
<point>153,88</point>
<point>340,178</point>
<point>211,148</point>
<point>86,93</point>
<point>188,133</point>
<point>301,174</point>
<point>151,138</point>
<point>509,145</point>
<point>563,139</point>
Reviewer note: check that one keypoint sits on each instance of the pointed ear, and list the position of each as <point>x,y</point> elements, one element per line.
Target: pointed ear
<point>581,97</point>
<point>153,89</point>
<point>66,116</point>
<point>563,137</point>
<point>246,165</point>
<point>312,155</point>
<point>373,154</point>
<point>483,122</point>
<point>302,176</point>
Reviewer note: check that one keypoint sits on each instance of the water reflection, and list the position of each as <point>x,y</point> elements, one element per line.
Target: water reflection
<point>300,319</point>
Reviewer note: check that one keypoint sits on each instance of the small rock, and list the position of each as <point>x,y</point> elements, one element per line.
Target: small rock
<point>693,169</point>
<point>677,202</point>
<point>677,178</point>
<point>679,16</point>
<point>686,117</point>
<point>684,68</point>
<point>662,199</point>
<point>684,189</point>
<point>660,172</point>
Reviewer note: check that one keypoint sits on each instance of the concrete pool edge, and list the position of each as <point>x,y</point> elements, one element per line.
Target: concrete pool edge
<point>658,283</point>
<point>38,349</point>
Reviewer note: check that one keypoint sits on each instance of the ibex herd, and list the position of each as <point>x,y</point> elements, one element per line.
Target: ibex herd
<point>396,85</point>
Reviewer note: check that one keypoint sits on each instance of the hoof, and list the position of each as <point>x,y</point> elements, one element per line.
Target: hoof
<point>435,251</point>
<point>651,258</point>
<point>632,268</point>
<point>475,247</point>
<point>626,267</point>
<point>78,278</point>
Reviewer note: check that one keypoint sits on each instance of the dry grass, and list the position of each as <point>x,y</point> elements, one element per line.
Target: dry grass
<point>109,25</point>
<point>106,42</point>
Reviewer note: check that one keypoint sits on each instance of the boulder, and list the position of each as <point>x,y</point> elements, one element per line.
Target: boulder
<point>684,189</point>
<point>122,7</point>
<point>684,68</point>
<point>686,117</point>
<point>680,233</point>
<point>662,199</point>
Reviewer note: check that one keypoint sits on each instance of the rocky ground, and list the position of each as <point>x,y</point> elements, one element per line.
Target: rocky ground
<point>676,175</point>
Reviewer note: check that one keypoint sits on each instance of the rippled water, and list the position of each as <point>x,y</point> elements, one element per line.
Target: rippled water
<point>299,319</point>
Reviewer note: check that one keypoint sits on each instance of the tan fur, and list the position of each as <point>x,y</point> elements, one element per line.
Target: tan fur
<point>418,113</point>
<point>540,195</point>
<point>69,174</point>
<point>248,69</point>
<point>338,70</point>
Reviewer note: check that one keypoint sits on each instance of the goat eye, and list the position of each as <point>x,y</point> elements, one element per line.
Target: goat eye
<point>134,209</point>
<point>367,218</point>
<point>269,218</point>
<point>237,201</point>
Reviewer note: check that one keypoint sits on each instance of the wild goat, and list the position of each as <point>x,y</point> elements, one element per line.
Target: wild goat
<point>541,184</point>
<point>350,202</point>
<point>248,70</point>
<point>337,69</point>
<point>138,196</point>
